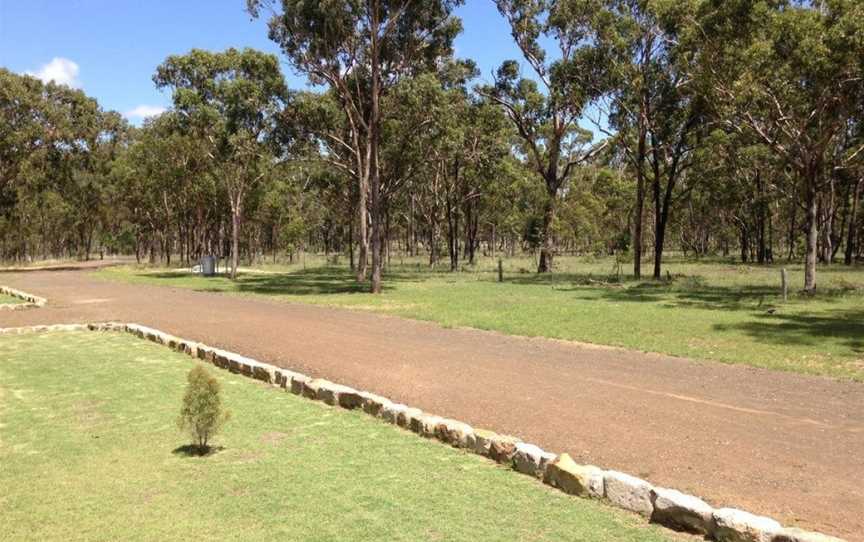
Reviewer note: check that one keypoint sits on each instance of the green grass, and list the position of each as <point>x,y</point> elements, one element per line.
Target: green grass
<point>710,310</point>
<point>10,300</point>
<point>89,450</point>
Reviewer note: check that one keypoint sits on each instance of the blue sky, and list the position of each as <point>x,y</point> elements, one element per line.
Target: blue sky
<point>110,48</point>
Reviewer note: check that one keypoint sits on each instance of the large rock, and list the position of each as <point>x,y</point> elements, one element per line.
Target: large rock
<point>190,348</point>
<point>327,392</point>
<point>682,512</point>
<point>628,492</point>
<point>288,377</point>
<point>374,404</point>
<point>531,459</point>
<point>425,424</point>
<point>575,479</point>
<point>502,448</point>
<point>220,358</point>
<point>391,413</point>
<point>241,364</point>
<point>338,395</point>
<point>734,525</point>
<point>264,373</point>
<point>483,441</point>
<point>798,535</point>
<point>349,398</point>
<point>407,416</point>
<point>311,387</point>
<point>455,433</point>
<point>205,353</point>
<point>298,383</point>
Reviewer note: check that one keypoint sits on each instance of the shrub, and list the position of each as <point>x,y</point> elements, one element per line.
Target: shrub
<point>202,415</point>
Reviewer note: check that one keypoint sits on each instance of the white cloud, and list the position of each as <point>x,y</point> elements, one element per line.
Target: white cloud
<point>60,70</point>
<point>144,111</point>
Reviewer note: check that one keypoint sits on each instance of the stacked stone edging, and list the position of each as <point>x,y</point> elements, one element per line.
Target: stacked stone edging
<point>30,300</point>
<point>667,507</point>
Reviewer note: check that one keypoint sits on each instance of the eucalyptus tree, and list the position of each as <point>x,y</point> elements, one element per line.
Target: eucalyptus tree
<point>855,174</point>
<point>790,74</point>
<point>164,187</point>
<point>654,112</point>
<point>231,99</point>
<point>55,143</point>
<point>445,146</point>
<point>486,141</point>
<point>90,189</point>
<point>546,107</point>
<point>315,128</point>
<point>22,130</point>
<point>360,50</point>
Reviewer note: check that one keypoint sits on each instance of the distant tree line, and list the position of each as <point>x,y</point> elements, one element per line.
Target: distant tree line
<point>628,127</point>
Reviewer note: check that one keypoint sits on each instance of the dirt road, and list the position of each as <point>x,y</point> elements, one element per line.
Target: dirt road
<point>780,444</point>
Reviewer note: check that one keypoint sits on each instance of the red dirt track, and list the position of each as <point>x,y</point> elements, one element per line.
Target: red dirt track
<point>779,444</point>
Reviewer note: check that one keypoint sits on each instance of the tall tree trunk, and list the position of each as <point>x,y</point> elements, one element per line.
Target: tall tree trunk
<point>351,245</point>
<point>433,251</point>
<point>411,235</point>
<point>387,239</point>
<point>793,226</point>
<point>641,156</point>
<point>812,225</point>
<point>547,248</point>
<point>638,211</point>
<point>362,228</point>
<point>849,255</point>
<point>659,239</point>
<point>374,166</point>
<point>235,236</point>
<point>761,251</point>
<point>659,224</point>
<point>826,249</point>
<point>452,251</point>
<point>472,226</point>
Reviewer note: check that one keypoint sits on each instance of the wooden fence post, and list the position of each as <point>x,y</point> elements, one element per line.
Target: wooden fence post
<point>785,283</point>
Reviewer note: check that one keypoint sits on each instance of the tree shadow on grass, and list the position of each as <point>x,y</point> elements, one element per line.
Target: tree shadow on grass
<point>844,326</point>
<point>306,282</point>
<point>193,450</point>
<point>318,281</point>
<point>760,306</point>
<point>683,291</point>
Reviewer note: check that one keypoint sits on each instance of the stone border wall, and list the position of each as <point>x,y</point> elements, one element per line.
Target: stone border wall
<point>663,506</point>
<point>30,300</point>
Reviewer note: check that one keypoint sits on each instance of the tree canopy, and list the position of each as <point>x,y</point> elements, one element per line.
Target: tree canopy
<point>636,128</point>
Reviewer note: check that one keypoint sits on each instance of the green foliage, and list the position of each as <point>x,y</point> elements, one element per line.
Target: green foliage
<point>545,109</point>
<point>724,127</point>
<point>56,150</point>
<point>202,415</point>
<point>231,100</point>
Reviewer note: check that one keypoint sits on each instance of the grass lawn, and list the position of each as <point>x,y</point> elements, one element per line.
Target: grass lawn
<point>89,450</point>
<point>712,310</point>
<point>10,300</point>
